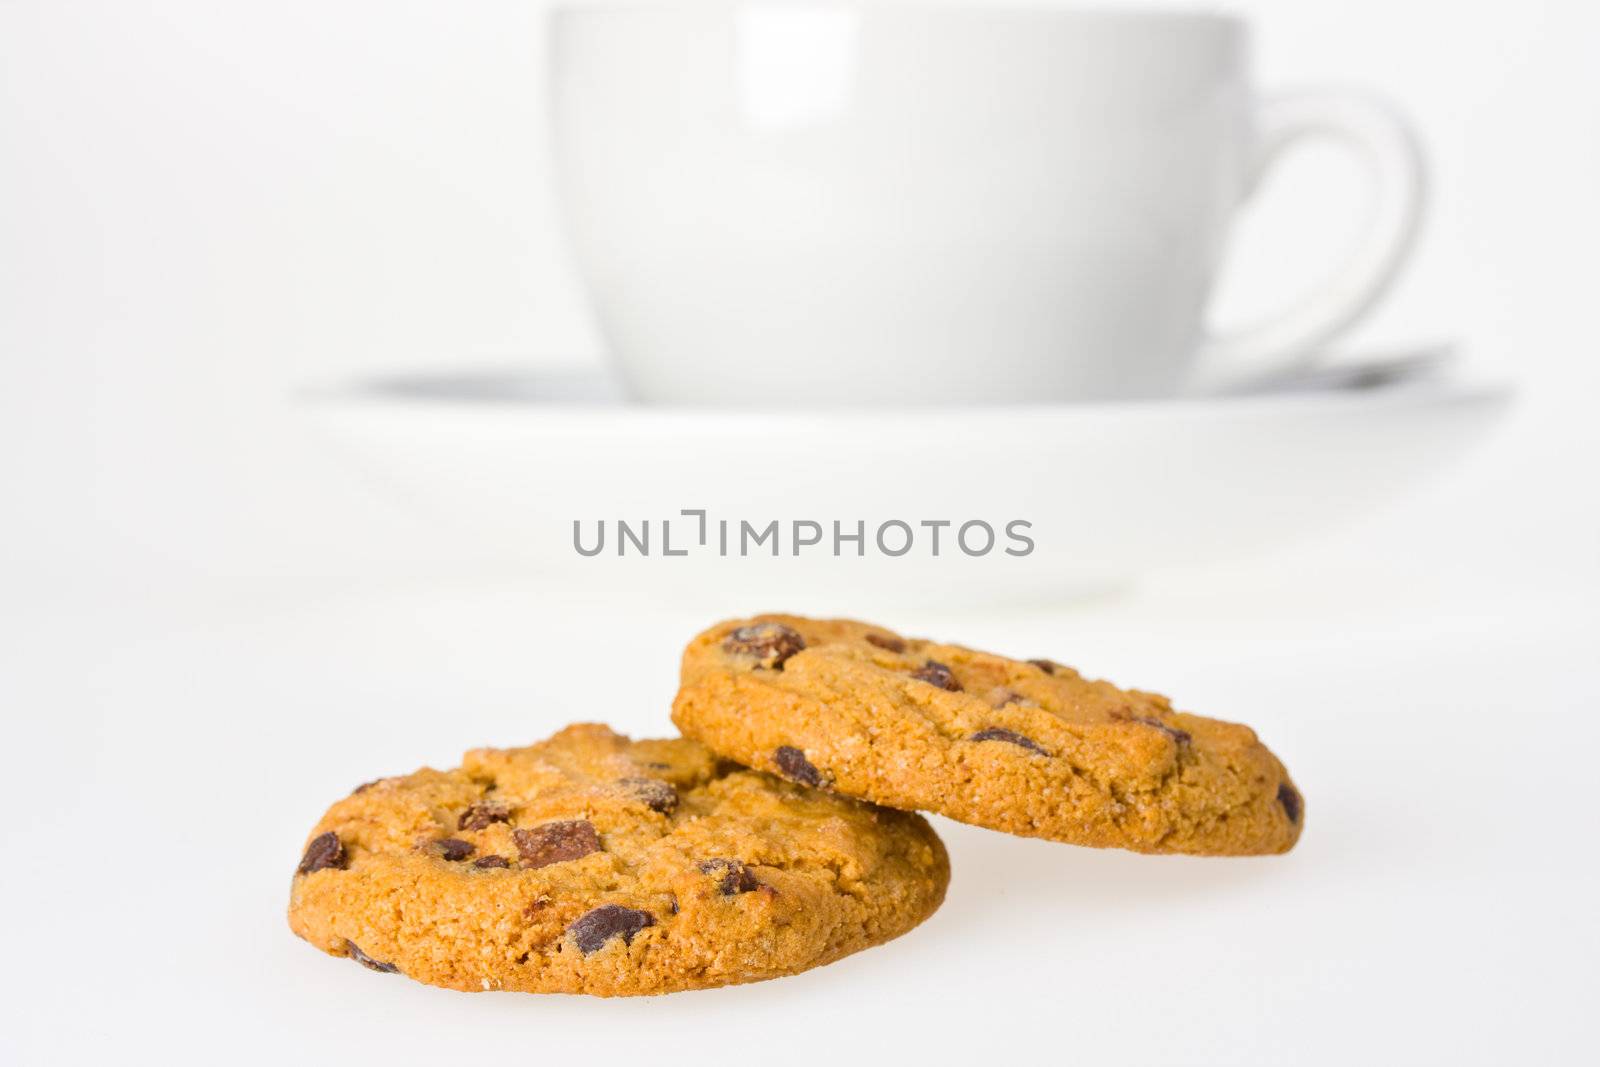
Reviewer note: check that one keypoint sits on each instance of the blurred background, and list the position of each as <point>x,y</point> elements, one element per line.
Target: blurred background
<point>206,207</point>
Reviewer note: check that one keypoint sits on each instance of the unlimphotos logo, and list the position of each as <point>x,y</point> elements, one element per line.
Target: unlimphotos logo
<point>693,531</point>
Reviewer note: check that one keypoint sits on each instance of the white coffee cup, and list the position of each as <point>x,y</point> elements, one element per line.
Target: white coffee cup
<point>777,204</point>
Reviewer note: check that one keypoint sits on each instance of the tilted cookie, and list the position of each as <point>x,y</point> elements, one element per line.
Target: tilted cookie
<point>589,863</point>
<point>1025,746</point>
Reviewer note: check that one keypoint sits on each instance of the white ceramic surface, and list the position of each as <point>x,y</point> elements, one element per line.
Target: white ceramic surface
<point>912,205</point>
<point>1110,491</point>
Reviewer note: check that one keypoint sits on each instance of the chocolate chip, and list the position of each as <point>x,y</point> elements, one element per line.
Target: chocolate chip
<point>595,928</point>
<point>736,877</point>
<point>556,842</point>
<point>1048,666</point>
<point>935,673</point>
<point>325,850</point>
<point>769,644</point>
<point>653,793</point>
<point>1180,736</point>
<point>482,814</point>
<point>1010,737</point>
<point>454,849</point>
<point>887,641</point>
<point>364,786</point>
<point>1290,801</point>
<point>367,961</point>
<point>486,862</point>
<point>794,765</point>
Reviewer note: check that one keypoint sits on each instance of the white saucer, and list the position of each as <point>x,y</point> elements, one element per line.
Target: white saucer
<point>1110,491</point>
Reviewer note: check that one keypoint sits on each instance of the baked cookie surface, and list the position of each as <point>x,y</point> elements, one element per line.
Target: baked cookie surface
<point>589,863</point>
<point>1029,747</point>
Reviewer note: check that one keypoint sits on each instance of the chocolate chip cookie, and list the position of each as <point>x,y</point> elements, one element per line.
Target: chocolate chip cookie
<point>589,863</point>
<point>1026,746</point>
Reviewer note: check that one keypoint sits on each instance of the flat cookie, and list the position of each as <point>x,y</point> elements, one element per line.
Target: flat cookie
<point>589,863</point>
<point>1025,746</point>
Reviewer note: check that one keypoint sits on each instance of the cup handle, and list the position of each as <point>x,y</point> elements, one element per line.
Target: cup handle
<point>1291,339</point>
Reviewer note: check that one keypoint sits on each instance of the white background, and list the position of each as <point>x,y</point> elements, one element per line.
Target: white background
<point>209,629</point>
